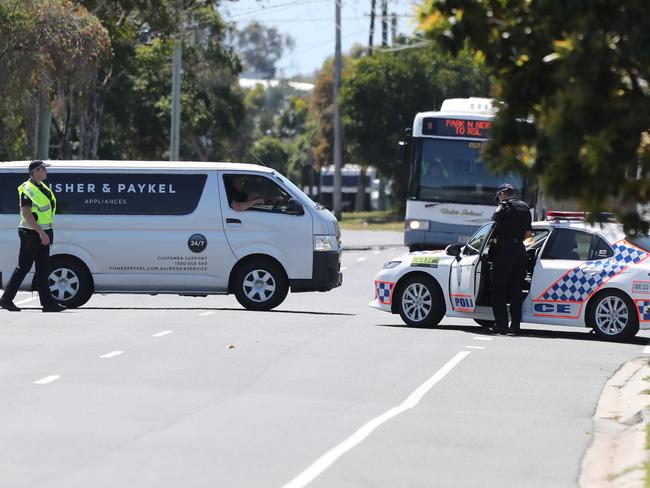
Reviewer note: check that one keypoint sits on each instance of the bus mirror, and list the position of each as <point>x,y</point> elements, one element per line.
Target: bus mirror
<point>400,152</point>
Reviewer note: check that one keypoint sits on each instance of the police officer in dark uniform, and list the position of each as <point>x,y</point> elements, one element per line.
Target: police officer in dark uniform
<point>37,209</point>
<point>512,225</point>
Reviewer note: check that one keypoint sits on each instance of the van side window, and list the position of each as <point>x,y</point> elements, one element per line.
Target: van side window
<point>242,187</point>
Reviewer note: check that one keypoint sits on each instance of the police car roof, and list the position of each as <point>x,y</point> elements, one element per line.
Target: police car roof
<point>142,165</point>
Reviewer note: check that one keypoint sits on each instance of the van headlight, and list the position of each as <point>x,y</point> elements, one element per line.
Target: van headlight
<point>326,243</point>
<point>413,224</point>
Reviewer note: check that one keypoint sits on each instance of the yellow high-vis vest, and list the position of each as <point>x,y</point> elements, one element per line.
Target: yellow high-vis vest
<point>42,209</point>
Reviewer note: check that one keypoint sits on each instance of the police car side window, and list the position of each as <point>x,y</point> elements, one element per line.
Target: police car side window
<point>476,241</point>
<point>576,245</point>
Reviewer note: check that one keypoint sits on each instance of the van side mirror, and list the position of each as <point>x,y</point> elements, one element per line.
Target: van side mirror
<point>454,250</point>
<point>295,207</point>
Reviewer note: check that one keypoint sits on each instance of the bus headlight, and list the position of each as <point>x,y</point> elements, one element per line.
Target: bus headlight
<point>326,243</point>
<point>412,224</point>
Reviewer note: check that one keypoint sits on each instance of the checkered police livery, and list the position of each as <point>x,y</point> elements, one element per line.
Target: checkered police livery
<point>644,310</point>
<point>577,286</point>
<point>384,291</point>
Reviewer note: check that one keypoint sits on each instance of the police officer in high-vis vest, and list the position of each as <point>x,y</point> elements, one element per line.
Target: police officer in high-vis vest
<point>37,209</point>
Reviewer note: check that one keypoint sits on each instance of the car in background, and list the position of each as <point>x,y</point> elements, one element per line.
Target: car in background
<point>578,274</point>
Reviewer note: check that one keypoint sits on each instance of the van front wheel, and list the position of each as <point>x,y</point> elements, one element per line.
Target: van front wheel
<point>260,285</point>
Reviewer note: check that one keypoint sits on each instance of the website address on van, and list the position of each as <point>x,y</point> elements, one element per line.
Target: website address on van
<point>158,268</point>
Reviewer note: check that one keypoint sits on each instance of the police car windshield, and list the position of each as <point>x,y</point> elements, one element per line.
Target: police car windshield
<point>451,170</point>
<point>640,241</point>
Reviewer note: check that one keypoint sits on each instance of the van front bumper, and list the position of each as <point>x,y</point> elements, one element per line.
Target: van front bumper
<point>326,273</point>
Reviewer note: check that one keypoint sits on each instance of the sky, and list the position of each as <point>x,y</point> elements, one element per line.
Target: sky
<point>311,24</point>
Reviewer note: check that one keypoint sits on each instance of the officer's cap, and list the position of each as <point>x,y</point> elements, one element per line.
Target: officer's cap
<point>34,165</point>
<point>504,187</point>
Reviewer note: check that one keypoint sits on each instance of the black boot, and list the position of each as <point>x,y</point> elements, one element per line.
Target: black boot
<point>9,305</point>
<point>54,307</point>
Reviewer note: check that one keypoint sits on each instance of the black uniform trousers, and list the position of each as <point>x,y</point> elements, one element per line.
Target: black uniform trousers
<point>508,273</point>
<point>32,251</point>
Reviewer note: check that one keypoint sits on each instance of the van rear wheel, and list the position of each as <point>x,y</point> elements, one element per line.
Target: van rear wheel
<point>70,283</point>
<point>260,285</point>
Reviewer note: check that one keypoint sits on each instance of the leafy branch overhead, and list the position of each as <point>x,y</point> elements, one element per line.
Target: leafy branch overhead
<point>572,79</point>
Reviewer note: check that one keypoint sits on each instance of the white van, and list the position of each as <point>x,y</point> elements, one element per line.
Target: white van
<point>168,227</point>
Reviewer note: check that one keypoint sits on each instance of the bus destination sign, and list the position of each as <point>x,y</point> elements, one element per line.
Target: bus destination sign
<point>456,127</point>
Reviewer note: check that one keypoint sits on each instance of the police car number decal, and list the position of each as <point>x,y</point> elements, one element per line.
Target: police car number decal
<point>641,287</point>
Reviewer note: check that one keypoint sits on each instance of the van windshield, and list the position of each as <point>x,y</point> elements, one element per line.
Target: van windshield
<point>305,198</point>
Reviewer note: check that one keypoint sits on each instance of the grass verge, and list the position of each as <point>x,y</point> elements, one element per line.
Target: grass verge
<point>375,220</point>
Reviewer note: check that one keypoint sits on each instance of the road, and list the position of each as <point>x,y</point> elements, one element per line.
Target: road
<point>166,391</point>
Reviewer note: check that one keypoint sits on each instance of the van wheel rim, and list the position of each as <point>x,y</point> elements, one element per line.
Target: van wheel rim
<point>64,284</point>
<point>416,302</point>
<point>612,315</point>
<point>259,285</point>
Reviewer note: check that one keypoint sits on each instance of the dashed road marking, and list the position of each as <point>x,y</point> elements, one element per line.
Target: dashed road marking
<point>47,379</point>
<point>361,259</point>
<point>482,338</point>
<point>474,347</point>
<point>162,333</point>
<point>646,349</point>
<point>111,354</point>
<point>331,456</point>
<point>205,314</point>
<point>343,268</point>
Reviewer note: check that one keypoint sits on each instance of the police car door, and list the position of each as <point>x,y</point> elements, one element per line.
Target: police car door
<point>569,270</point>
<point>466,272</point>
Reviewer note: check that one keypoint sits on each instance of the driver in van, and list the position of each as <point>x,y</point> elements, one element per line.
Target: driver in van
<point>240,200</point>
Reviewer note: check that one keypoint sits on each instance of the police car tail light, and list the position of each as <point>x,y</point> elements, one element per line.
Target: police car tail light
<point>554,216</point>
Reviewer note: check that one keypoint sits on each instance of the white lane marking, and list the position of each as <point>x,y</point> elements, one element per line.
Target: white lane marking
<point>111,354</point>
<point>205,314</point>
<point>331,456</point>
<point>47,379</point>
<point>482,338</point>
<point>474,347</point>
<point>343,268</point>
<point>646,349</point>
<point>162,333</point>
<point>361,259</point>
<point>25,301</point>
<point>376,252</point>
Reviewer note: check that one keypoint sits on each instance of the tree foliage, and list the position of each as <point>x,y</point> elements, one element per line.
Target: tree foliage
<point>262,47</point>
<point>572,79</point>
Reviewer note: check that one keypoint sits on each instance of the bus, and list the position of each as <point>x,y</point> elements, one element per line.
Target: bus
<point>451,193</point>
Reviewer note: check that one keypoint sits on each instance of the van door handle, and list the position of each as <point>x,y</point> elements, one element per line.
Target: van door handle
<point>233,221</point>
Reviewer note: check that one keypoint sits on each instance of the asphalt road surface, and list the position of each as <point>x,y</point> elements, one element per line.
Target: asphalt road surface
<point>167,391</point>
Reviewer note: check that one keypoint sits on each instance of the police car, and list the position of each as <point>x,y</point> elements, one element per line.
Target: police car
<point>578,275</point>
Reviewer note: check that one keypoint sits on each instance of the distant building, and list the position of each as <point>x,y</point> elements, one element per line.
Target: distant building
<point>296,85</point>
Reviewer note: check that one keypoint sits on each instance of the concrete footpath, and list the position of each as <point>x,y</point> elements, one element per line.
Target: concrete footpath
<point>618,456</point>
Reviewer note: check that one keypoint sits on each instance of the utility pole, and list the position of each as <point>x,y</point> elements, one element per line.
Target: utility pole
<point>174,146</point>
<point>373,5</point>
<point>384,23</point>
<point>338,153</point>
<point>393,28</point>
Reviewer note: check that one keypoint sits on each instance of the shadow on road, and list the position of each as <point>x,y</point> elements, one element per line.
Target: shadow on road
<point>207,309</point>
<point>581,334</point>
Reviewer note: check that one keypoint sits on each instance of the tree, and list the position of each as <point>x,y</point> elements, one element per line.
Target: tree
<point>382,93</point>
<point>262,47</point>
<point>572,82</point>
<point>272,152</point>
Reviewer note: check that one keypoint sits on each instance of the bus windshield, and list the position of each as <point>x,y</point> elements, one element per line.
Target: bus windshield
<point>452,171</point>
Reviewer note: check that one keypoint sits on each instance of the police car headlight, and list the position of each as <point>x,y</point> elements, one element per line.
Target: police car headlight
<point>412,224</point>
<point>326,243</point>
<point>391,264</point>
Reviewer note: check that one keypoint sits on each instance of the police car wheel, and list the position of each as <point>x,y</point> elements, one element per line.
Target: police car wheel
<point>420,302</point>
<point>70,283</point>
<point>260,285</point>
<point>613,316</point>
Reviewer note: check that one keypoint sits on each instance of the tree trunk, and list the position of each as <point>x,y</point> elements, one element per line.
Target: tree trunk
<point>360,198</point>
